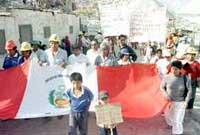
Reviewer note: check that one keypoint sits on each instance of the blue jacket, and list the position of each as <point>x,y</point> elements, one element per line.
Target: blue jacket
<point>11,61</point>
<point>80,104</point>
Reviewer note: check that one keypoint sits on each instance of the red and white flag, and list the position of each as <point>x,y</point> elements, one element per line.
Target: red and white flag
<point>29,90</point>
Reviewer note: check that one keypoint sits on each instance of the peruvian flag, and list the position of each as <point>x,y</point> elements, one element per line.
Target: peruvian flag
<point>29,90</point>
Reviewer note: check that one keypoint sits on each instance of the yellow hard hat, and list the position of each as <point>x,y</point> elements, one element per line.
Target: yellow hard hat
<point>25,46</point>
<point>191,50</point>
<point>54,38</point>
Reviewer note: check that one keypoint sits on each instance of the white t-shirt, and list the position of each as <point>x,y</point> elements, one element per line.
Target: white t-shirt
<point>162,66</point>
<point>58,58</point>
<point>91,54</point>
<point>80,59</point>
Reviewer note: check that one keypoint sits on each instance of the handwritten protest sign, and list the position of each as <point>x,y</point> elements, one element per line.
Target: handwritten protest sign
<point>149,25</point>
<point>108,114</point>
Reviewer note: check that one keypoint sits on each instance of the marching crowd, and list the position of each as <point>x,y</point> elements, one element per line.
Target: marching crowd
<point>176,62</point>
<point>179,70</point>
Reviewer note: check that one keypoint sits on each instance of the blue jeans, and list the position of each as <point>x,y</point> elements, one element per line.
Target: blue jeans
<point>107,131</point>
<point>78,120</point>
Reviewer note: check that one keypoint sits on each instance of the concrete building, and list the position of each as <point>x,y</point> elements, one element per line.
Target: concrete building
<point>25,25</point>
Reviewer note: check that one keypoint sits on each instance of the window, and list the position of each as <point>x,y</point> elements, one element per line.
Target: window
<point>71,29</point>
<point>47,32</point>
<point>2,41</point>
<point>74,6</point>
<point>25,32</point>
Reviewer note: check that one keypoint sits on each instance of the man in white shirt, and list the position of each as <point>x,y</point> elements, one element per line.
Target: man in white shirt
<point>56,55</point>
<point>38,54</point>
<point>77,57</point>
<point>93,52</point>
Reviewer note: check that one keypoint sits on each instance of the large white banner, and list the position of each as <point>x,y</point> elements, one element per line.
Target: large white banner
<point>114,19</point>
<point>148,25</point>
<point>141,25</point>
<point>45,91</point>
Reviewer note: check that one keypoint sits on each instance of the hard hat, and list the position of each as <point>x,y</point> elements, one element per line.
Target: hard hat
<point>10,44</point>
<point>191,50</point>
<point>35,42</point>
<point>54,38</point>
<point>25,46</point>
<point>124,51</point>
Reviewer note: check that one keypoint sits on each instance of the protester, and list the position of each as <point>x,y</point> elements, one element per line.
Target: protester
<point>124,57</point>
<point>163,63</point>
<point>77,57</point>
<point>193,70</point>
<point>80,98</point>
<point>12,57</point>
<point>105,59</point>
<point>170,44</point>
<point>141,48</point>
<point>85,43</point>
<point>67,45</point>
<point>180,57</point>
<point>79,40</point>
<point>56,55</point>
<point>26,51</point>
<point>148,52</point>
<point>123,44</point>
<point>99,37</point>
<point>174,86</point>
<point>38,54</point>
<point>93,52</point>
<point>111,41</point>
<point>157,56</point>
<point>105,129</point>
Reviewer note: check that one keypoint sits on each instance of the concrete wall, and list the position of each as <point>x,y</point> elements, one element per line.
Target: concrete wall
<point>59,24</point>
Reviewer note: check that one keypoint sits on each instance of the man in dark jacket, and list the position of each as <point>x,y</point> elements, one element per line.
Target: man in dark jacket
<point>123,44</point>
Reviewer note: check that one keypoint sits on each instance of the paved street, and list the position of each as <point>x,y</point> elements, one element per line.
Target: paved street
<point>54,126</point>
<point>153,126</point>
